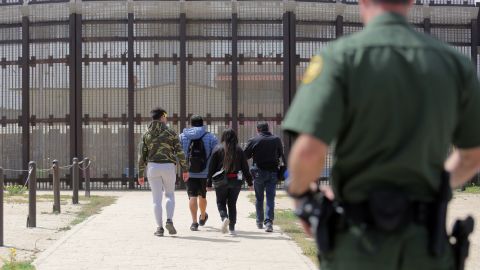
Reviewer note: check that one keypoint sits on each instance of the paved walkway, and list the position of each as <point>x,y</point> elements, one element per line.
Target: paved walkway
<point>121,237</point>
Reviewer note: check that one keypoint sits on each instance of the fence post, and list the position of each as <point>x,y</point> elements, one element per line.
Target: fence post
<point>32,195</point>
<point>86,172</point>
<point>56,188</point>
<point>75,180</point>
<point>1,206</point>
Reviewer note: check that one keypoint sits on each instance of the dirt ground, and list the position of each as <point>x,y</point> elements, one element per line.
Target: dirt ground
<point>462,205</point>
<point>30,241</point>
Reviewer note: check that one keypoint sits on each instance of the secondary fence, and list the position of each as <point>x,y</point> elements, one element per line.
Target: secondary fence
<point>31,181</point>
<point>78,78</point>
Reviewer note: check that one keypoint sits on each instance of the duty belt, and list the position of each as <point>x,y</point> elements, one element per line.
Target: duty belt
<point>362,213</point>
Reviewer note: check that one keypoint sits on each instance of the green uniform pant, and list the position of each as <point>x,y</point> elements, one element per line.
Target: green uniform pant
<point>405,250</point>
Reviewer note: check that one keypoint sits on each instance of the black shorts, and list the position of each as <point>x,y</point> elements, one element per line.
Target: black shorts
<point>197,187</point>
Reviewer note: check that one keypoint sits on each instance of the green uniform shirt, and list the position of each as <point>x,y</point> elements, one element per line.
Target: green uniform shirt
<point>160,144</point>
<point>393,101</point>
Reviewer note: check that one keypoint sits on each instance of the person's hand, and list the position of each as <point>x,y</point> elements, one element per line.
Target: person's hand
<point>185,176</point>
<point>209,188</point>
<point>328,192</point>
<point>141,181</point>
<point>250,188</point>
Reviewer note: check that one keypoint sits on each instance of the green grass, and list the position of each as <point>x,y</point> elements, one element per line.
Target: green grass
<point>93,207</point>
<point>18,266</point>
<point>289,224</point>
<point>472,189</point>
<point>15,190</point>
<point>11,263</point>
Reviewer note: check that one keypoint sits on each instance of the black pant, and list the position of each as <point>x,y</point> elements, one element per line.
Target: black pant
<point>227,197</point>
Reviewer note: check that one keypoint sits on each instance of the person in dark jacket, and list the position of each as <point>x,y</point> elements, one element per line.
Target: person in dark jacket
<point>230,158</point>
<point>266,150</point>
<point>197,182</point>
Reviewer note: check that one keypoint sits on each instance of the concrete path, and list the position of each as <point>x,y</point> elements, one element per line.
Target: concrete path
<point>121,237</point>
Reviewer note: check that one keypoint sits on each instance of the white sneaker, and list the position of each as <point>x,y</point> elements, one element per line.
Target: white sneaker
<point>225,224</point>
<point>232,232</point>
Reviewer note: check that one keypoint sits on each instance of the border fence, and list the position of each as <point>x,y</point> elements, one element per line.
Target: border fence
<point>78,78</point>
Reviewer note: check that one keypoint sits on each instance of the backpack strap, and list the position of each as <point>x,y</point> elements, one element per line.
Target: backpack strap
<point>211,151</point>
<point>203,135</point>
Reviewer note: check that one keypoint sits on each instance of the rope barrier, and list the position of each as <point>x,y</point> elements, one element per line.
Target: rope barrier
<point>85,168</point>
<point>66,167</point>
<point>28,177</point>
<point>44,170</point>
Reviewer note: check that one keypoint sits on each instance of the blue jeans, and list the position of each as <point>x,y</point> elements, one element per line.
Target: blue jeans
<point>265,182</point>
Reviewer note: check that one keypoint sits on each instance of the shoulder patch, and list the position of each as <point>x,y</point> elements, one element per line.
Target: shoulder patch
<point>314,69</point>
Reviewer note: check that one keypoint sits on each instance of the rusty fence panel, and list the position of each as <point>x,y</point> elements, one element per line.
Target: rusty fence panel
<point>260,67</point>
<point>11,99</point>
<point>104,92</point>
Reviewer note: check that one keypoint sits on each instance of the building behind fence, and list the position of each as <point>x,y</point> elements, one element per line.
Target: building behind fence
<point>78,78</point>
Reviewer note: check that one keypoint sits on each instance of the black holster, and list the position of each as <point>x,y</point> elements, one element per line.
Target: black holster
<point>438,239</point>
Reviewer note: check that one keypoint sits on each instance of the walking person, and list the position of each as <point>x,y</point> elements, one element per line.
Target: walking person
<point>158,154</point>
<point>392,100</point>
<point>229,160</point>
<point>266,150</point>
<point>198,145</point>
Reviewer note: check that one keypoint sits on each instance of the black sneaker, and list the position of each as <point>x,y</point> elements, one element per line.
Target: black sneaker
<point>170,228</point>
<point>160,231</point>
<point>231,229</point>
<point>269,227</point>
<point>194,227</point>
<point>203,221</point>
<point>260,226</point>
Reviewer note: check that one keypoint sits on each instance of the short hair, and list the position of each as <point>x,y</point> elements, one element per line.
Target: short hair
<point>262,126</point>
<point>196,121</point>
<point>157,113</point>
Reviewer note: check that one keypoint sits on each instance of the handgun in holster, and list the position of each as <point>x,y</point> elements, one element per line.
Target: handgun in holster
<point>320,213</point>
<point>438,238</point>
<point>461,230</point>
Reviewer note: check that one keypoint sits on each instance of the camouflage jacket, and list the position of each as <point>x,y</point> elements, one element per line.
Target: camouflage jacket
<point>160,144</point>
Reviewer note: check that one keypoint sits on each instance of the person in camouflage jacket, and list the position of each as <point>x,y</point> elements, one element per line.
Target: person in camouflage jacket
<point>159,153</point>
<point>160,144</point>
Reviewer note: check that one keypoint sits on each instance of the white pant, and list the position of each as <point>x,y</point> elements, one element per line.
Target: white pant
<point>162,178</point>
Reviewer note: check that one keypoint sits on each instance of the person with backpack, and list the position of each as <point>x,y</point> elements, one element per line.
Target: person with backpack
<point>198,145</point>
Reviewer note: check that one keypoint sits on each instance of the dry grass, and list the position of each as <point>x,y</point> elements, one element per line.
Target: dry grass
<point>289,224</point>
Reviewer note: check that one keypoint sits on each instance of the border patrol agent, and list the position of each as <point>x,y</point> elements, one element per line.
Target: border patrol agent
<point>392,101</point>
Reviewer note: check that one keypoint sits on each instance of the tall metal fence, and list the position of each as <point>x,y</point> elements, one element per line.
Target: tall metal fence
<point>78,78</point>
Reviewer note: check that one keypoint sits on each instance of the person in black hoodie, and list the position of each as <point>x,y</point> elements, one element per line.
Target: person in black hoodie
<point>266,150</point>
<point>230,158</point>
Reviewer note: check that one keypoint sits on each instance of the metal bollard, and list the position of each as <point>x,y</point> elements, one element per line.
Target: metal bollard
<point>56,187</point>
<point>86,172</point>
<point>75,180</point>
<point>32,196</point>
<point>1,205</point>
